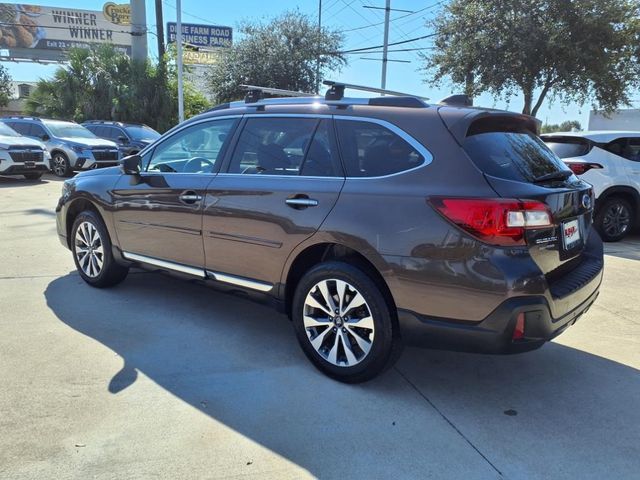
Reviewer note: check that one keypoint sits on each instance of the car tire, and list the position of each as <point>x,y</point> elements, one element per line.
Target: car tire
<point>60,165</point>
<point>614,219</point>
<point>357,343</point>
<point>92,254</point>
<point>33,176</point>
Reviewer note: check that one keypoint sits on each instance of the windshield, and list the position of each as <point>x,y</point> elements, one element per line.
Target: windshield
<point>142,133</point>
<point>68,129</point>
<point>519,156</point>
<point>7,131</point>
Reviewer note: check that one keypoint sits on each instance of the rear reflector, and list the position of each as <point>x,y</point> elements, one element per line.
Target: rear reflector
<point>495,221</point>
<point>518,332</point>
<point>582,167</point>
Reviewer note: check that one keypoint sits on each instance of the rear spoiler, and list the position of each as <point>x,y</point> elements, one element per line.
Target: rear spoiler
<point>459,121</point>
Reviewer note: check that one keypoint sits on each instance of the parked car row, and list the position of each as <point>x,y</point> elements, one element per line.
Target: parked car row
<point>31,146</point>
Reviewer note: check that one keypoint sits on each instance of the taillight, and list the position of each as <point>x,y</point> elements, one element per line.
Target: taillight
<point>582,167</point>
<point>496,221</point>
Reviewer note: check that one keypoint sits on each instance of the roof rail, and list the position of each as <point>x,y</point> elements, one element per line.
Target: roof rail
<point>256,93</point>
<point>459,100</point>
<point>336,92</point>
<point>22,117</point>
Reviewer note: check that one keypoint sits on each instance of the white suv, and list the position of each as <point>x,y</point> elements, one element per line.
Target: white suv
<point>21,155</point>
<point>610,161</point>
<point>72,147</point>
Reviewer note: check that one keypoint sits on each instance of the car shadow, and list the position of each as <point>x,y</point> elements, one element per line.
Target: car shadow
<point>628,247</point>
<point>552,412</point>
<point>20,181</point>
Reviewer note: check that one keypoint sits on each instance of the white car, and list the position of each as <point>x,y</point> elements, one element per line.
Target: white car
<point>22,155</point>
<point>610,161</point>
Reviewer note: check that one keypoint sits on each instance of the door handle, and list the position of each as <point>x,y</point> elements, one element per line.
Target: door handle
<point>301,201</point>
<point>190,197</point>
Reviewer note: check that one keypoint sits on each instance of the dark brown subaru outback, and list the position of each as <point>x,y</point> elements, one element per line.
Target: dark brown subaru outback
<point>370,222</point>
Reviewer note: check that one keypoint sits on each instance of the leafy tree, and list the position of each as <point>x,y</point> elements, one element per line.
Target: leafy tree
<point>5,86</point>
<point>104,84</point>
<point>574,50</point>
<point>280,54</point>
<point>566,126</point>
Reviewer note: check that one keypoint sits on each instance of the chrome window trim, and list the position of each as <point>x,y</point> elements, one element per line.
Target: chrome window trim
<point>240,281</point>
<point>178,267</point>
<point>288,115</point>
<point>177,129</point>
<point>420,148</point>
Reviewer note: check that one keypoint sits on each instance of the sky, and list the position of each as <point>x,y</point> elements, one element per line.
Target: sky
<point>362,27</point>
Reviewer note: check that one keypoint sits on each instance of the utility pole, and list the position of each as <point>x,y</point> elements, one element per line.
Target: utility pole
<point>160,29</point>
<point>385,47</point>
<point>319,43</point>
<point>138,30</point>
<point>179,60</point>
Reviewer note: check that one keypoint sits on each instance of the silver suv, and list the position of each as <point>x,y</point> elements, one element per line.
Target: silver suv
<point>72,147</point>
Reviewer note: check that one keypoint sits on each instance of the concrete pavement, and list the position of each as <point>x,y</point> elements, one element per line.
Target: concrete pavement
<point>162,378</point>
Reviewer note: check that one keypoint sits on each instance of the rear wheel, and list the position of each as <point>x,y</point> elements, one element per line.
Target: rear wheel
<point>343,322</point>
<point>614,219</point>
<point>33,176</point>
<point>60,165</point>
<point>91,247</point>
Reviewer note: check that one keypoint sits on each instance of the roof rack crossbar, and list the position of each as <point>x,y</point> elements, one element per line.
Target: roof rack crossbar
<point>256,93</point>
<point>336,92</point>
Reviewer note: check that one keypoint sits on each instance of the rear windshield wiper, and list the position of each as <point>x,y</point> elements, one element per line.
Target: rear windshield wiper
<point>557,175</point>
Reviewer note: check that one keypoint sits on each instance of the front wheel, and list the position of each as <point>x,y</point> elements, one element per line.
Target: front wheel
<point>91,247</point>
<point>343,322</point>
<point>60,165</point>
<point>614,219</point>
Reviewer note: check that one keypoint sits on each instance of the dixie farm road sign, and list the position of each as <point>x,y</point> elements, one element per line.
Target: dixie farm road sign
<point>202,36</point>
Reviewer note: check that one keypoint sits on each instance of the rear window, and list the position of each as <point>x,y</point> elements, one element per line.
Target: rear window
<point>567,147</point>
<point>514,155</point>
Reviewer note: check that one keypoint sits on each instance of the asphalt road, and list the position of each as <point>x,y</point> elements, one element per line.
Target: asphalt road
<point>162,378</point>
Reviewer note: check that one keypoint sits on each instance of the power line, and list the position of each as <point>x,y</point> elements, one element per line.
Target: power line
<point>190,14</point>
<point>390,44</point>
<point>393,20</point>
<point>394,50</point>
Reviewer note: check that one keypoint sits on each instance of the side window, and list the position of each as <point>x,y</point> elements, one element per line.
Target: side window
<point>632,150</point>
<point>321,159</point>
<point>195,149</point>
<point>103,132</point>
<point>117,134</point>
<point>37,131</point>
<point>272,146</point>
<point>371,150</point>
<point>21,128</point>
<point>617,147</point>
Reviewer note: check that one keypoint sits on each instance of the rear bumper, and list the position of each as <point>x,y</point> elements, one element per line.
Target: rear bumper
<point>494,334</point>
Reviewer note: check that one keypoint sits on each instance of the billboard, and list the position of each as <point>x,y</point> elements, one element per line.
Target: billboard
<point>34,32</point>
<point>200,41</point>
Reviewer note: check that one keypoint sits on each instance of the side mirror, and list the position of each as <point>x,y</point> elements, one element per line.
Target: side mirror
<point>45,137</point>
<point>131,165</point>
<point>122,139</point>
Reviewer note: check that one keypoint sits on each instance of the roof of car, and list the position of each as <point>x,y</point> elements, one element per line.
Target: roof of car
<point>114,122</point>
<point>599,136</point>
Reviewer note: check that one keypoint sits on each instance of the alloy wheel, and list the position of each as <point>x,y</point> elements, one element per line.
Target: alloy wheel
<point>59,165</point>
<point>89,249</point>
<point>617,219</point>
<point>338,322</point>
